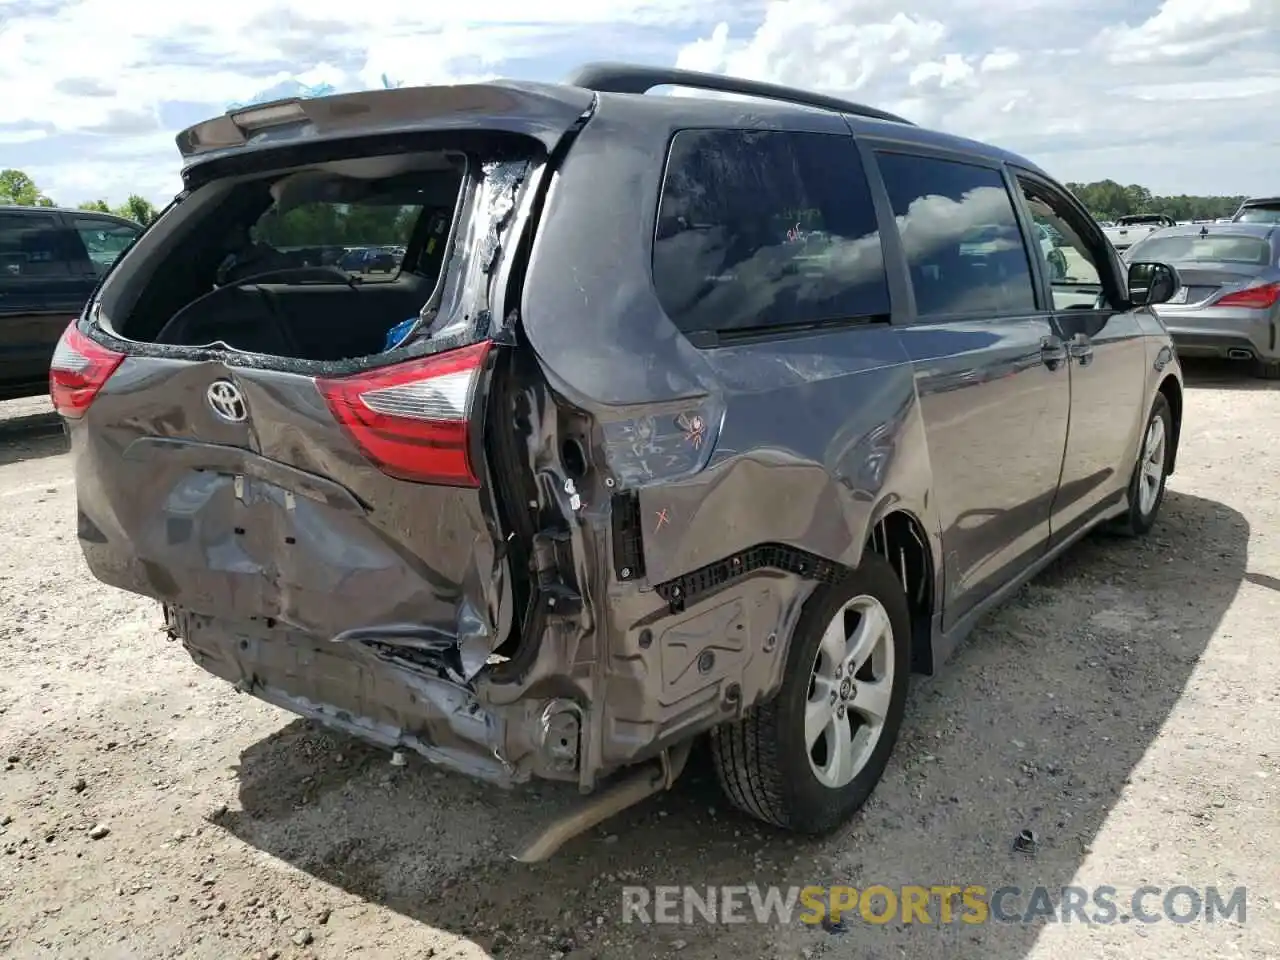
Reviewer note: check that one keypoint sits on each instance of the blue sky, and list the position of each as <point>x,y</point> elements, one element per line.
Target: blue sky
<point>1179,95</point>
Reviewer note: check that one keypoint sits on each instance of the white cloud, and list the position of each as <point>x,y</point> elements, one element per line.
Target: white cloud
<point>951,71</point>
<point>818,45</point>
<point>1192,29</point>
<point>1173,101</point>
<point>90,56</point>
<point>1174,95</point>
<point>1000,60</point>
<point>22,136</point>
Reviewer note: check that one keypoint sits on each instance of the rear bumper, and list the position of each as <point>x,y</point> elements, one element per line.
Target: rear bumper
<point>378,697</point>
<point>1204,335</point>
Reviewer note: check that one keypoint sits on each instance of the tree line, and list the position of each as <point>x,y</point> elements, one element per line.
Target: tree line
<point>326,224</point>
<point>310,225</point>
<point>19,189</point>
<point>1108,200</point>
<point>1105,199</point>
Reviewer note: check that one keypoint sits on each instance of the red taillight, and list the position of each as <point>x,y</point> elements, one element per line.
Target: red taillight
<point>1259,298</point>
<point>413,419</point>
<point>78,370</point>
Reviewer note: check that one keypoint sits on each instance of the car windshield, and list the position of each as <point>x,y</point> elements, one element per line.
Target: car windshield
<point>1214,248</point>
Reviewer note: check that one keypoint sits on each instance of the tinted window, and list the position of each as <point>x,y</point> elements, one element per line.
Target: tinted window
<point>104,240</point>
<point>1070,261</point>
<point>761,229</point>
<point>960,235</point>
<point>1218,248</point>
<point>31,245</point>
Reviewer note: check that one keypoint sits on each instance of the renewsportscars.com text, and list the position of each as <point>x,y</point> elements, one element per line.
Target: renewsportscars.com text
<point>935,903</point>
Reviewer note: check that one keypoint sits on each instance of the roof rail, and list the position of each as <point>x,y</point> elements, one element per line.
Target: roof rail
<point>609,77</point>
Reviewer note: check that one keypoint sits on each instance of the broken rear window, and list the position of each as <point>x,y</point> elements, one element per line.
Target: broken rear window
<point>366,238</point>
<point>330,261</point>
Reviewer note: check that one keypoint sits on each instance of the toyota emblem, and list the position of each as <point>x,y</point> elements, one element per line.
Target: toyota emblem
<point>227,401</point>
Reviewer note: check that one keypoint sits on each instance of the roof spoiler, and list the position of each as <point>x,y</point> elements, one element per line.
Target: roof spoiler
<point>542,111</point>
<point>609,77</point>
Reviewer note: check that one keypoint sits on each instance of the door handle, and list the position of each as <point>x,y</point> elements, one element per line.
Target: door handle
<point>1081,348</point>
<point>1053,352</point>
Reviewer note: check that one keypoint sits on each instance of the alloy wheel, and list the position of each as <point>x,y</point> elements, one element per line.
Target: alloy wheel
<point>850,690</point>
<point>1151,466</point>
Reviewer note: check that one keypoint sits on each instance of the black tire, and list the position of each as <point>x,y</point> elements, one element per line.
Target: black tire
<point>1136,521</point>
<point>1266,369</point>
<point>761,761</point>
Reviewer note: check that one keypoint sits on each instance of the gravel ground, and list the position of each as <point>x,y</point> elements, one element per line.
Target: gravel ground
<point>1123,706</point>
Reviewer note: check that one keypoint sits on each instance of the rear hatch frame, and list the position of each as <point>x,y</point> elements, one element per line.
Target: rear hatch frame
<point>258,462</point>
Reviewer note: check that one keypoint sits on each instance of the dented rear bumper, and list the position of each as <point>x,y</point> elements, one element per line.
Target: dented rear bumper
<point>380,695</point>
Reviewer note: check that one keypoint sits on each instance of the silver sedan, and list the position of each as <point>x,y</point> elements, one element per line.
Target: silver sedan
<point>1229,302</point>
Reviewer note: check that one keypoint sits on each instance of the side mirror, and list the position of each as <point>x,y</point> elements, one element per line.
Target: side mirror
<point>1151,282</point>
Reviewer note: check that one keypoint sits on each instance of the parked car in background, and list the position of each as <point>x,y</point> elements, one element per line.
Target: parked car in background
<point>1229,302</point>
<point>369,260</point>
<point>727,420</point>
<point>1128,230</point>
<point>50,261</point>
<point>1258,210</point>
<point>1050,241</point>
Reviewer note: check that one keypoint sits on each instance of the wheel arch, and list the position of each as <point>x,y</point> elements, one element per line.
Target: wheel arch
<point>902,539</point>
<point>1172,391</point>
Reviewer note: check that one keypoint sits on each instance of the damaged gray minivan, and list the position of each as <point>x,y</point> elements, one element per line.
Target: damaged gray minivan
<point>674,416</point>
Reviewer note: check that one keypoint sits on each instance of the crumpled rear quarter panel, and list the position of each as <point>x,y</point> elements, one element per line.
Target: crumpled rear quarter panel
<point>802,442</point>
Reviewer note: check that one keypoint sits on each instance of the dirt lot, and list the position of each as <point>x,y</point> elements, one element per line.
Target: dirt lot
<point>1124,707</point>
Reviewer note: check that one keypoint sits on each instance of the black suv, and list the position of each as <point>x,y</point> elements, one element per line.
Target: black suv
<point>681,416</point>
<point>50,261</point>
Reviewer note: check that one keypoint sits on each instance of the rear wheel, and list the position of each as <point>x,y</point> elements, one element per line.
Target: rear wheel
<point>808,759</point>
<point>1267,369</point>
<point>1147,486</point>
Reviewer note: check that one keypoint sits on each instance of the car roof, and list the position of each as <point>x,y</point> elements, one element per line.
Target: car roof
<point>502,101</point>
<point>27,208</point>
<point>777,115</point>
<point>1252,201</point>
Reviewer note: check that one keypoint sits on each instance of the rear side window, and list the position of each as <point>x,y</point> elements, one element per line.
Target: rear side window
<point>965,252</point>
<point>104,240</point>
<point>33,245</point>
<point>766,229</point>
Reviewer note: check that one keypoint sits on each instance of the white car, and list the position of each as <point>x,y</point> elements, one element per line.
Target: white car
<point>1129,230</point>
